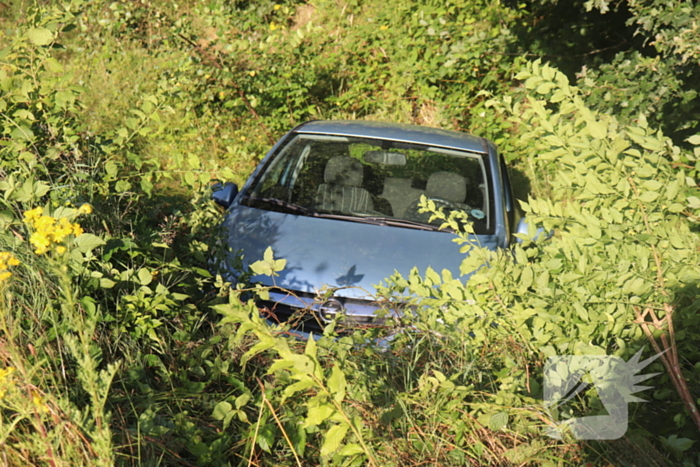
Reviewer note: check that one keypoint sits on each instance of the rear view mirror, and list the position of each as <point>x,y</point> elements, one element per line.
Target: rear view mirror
<point>223,194</point>
<point>384,158</point>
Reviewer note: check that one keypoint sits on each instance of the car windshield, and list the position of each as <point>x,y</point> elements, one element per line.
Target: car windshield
<point>373,180</point>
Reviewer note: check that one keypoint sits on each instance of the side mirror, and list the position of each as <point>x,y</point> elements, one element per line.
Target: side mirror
<point>523,228</point>
<point>223,194</point>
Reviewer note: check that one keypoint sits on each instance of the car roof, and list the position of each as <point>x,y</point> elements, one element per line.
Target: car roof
<point>396,132</point>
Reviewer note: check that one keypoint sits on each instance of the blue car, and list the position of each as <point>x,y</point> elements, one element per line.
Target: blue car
<point>339,201</point>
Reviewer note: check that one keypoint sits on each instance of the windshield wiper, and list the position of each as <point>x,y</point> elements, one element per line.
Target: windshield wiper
<point>351,218</point>
<point>295,208</point>
<point>394,222</point>
<point>289,207</point>
<point>304,211</point>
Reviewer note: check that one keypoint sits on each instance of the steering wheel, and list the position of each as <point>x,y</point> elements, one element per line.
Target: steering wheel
<point>412,212</point>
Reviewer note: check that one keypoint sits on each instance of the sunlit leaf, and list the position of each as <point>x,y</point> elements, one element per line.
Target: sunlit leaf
<point>40,36</point>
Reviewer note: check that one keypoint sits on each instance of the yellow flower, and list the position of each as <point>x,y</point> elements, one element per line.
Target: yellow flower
<point>34,214</point>
<point>40,241</point>
<point>44,223</point>
<point>39,402</point>
<point>62,230</point>
<point>60,249</point>
<point>277,7</point>
<point>49,230</point>
<point>383,27</point>
<point>273,26</point>
<point>7,259</point>
<point>85,209</point>
<point>5,374</point>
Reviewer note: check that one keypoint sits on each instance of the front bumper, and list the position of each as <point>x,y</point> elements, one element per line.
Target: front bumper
<point>308,313</point>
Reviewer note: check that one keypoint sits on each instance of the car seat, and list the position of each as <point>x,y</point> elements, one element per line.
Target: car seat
<point>448,187</point>
<point>342,188</point>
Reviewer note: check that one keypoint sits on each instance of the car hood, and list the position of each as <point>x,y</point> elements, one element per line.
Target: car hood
<point>341,254</point>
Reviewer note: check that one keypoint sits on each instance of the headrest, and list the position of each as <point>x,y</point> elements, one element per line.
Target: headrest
<point>343,170</point>
<point>448,186</point>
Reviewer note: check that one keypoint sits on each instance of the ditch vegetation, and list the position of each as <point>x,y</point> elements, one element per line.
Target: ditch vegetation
<point>121,345</point>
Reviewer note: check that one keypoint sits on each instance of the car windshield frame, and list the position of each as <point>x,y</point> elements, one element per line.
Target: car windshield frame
<point>288,175</point>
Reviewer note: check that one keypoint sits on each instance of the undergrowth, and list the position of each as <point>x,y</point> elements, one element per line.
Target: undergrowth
<point>120,344</point>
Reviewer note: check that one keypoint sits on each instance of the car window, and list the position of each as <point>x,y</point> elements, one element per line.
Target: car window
<point>365,177</point>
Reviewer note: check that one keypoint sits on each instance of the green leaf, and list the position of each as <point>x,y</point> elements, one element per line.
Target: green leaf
<point>40,36</point>
<point>648,196</point>
<point>64,99</point>
<point>266,437</point>
<point>87,242</point>
<point>350,449</point>
<point>545,87</point>
<point>111,168</point>
<point>122,186</point>
<point>652,185</point>
<point>334,436</point>
<point>22,133</point>
<point>433,276</point>
<point>318,415</point>
<point>645,171</point>
<point>145,276</point>
<point>336,384</point>
<point>581,312</point>
<point>302,385</point>
<point>678,444</point>
<point>268,255</point>
<point>498,420</point>
<point>673,188</point>
<point>597,129</point>
<point>526,277</point>
<point>594,231</point>
<point>242,400</point>
<point>635,286</point>
<point>221,410</point>
<point>147,186</point>
<point>131,123</point>
<point>106,283</point>
<point>265,343</point>
<point>310,347</point>
<point>532,82</point>
<point>24,115</point>
<point>260,268</point>
<point>190,179</point>
<point>695,140</point>
<point>54,65</point>
<point>279,264</point>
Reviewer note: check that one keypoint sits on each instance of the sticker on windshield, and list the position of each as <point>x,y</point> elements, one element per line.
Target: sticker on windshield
<point>477,214</point>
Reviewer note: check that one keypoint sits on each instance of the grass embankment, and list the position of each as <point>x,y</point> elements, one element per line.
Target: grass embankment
<point>111,350</point>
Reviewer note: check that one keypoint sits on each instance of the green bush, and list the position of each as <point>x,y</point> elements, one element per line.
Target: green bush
<point>111,351</point>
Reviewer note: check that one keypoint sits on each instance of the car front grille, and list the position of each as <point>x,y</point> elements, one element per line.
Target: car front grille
<point>298,318</point>
<point>304,312</point>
